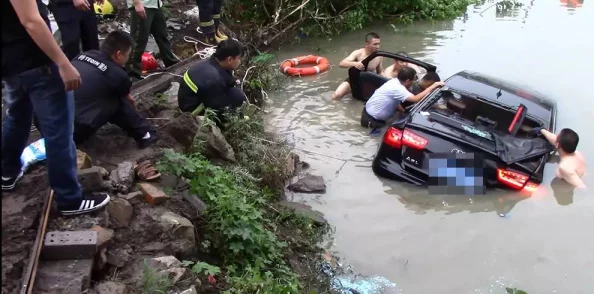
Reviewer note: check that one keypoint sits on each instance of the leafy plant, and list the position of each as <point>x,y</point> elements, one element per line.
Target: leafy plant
<point>202,268</point>
<point>154,282</point>
<point>235,220</point>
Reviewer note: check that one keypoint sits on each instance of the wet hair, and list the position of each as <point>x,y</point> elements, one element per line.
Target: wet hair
<point>116,41</point>
<point>371,36</point>
<point>406,73</point>
<point>228,48</point>
<point>568,140</point>
<point>431,77</point>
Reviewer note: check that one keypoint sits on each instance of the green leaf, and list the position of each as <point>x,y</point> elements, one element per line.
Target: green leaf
<point>187,263</point>
<point>236,247</point>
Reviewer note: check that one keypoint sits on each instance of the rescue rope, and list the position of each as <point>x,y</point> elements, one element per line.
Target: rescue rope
<point>204,53</point>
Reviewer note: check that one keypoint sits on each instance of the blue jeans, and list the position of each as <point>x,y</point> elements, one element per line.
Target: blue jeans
<point>41,91</point>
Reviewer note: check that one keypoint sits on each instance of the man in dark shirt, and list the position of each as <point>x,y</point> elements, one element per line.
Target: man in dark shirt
<point>105,95</point>
<point>211,84</point>
<point>38,78</point>
<point>77,23</point>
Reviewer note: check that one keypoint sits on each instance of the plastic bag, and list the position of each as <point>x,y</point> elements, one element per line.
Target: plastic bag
<point>33,153</point>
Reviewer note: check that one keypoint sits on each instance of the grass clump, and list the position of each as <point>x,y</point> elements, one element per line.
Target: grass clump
<point>252,238</point>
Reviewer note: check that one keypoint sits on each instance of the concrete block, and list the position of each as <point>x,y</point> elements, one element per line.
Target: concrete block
<point>69,245</point>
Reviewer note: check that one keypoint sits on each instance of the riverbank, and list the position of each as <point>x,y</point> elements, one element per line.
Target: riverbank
<point>237,237</point>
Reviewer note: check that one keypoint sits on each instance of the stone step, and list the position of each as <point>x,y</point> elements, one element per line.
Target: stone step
<point>63,276</point>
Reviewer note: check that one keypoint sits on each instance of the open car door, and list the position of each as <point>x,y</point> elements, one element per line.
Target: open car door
<point>364,83</point>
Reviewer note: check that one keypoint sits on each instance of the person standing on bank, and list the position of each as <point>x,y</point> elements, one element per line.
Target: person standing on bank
<point>210,20</point>
<point>39,78</point>
<point>147,18</point>
<point>77,23</point>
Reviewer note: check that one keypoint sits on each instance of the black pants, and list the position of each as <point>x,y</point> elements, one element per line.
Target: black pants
<point>76,27</point>
<point>154,24</point>
<point>367,121</point>
<point>125,117</point>
<point>210,15</point>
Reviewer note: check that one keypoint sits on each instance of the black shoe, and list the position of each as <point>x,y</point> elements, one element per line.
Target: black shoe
<point>143,143</point>
<point>8,183</point>
<point>90,202</point>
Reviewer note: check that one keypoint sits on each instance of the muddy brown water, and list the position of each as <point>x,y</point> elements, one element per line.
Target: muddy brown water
<point>447,244</point>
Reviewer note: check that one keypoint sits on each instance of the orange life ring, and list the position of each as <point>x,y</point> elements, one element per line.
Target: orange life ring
<point>321,65</point>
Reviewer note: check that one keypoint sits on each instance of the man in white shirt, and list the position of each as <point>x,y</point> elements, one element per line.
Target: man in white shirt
<point>385,100</point>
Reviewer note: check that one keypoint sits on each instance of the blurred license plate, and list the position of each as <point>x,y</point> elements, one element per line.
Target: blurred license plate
<point>456,174</point>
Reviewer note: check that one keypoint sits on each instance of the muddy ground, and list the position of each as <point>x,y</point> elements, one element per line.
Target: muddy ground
<point>144,236</point>
<point>21,207</point>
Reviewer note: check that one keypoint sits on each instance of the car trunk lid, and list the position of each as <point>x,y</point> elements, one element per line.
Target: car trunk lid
<point>427,134</point>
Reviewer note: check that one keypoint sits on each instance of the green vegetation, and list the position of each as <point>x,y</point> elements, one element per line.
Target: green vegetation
<point>154,282</point>
<point>251,237</point>
<point>270,20</point>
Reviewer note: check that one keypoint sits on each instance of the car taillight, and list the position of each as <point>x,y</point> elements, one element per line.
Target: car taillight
<point>515,180</point>
<point>396,138</point>
<point>413,140</point>
<point>393,137</point>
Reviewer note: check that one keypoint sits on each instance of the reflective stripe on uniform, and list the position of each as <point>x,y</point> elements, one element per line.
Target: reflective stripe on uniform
<point>189,82</point>
<point>216,16</point>
<point>207,23</point>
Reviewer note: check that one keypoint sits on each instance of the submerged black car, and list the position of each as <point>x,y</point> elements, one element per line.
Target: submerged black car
<point>472,133</point>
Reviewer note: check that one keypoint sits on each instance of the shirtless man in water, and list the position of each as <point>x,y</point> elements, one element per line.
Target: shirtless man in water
<point>392,70</point>
<point>372,44</point>
<point>572,165</point>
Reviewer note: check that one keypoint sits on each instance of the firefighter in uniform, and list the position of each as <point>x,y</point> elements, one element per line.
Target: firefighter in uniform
<point>104,96</point>
<point>77,23</point>
<point>210,84</point>
<point>210,19</point>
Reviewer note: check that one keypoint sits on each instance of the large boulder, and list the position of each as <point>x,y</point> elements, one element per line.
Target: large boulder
<point>309,184</point>
<point>215,143</point>
<point>175,233</point>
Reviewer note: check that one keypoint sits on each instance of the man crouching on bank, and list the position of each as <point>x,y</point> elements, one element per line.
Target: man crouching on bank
<point>211,84</point>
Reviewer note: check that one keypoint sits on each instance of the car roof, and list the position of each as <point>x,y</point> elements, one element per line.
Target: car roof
<point>504,93</point>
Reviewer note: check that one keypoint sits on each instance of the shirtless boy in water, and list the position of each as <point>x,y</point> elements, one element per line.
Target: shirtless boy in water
<point>572,165</point>
<point>372,44</point>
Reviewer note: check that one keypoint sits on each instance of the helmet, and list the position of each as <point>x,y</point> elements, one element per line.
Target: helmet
<point>148,61</point>
<point>104,8</point>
